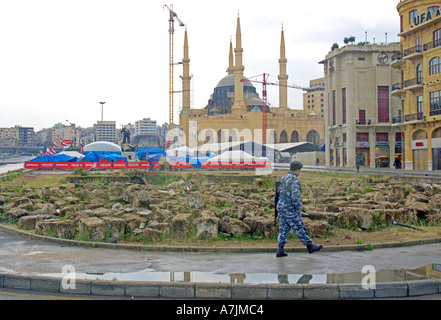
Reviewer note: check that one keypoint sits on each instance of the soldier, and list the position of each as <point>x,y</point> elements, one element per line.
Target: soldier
<point>289,207</point>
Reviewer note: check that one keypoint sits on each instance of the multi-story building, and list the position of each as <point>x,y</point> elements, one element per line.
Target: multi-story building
<point>9,137</point>
<point>105,131</point>
<point>314,98</point>
<point>359,107</point>
<point>419,87</point>
<point>146,126</point>
<point>25,136</point>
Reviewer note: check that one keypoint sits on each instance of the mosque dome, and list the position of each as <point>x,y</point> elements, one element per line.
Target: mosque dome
<point>228,81</point>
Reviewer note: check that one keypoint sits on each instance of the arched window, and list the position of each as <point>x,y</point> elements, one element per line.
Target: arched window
<point>283,137</point>
<point>294,136</point>
<point>435,65</point>
<point>419,74</point>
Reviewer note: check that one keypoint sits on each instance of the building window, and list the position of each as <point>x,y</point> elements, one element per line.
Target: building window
<point>362,137</point>
<point>420,104</point>
<point>437,38</point>
<point>362,117</point>
<point>435,103</point>
<point>419,74</point>
<point>418,44</point>
<point>383,104</point>
<point>412,16</point>
<point>343,103</point>
<point>382,136</point>
<point>435,65</point>
<point>333,107</point>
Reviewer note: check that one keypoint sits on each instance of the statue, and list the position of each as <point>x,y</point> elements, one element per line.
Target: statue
<point>126,134</point>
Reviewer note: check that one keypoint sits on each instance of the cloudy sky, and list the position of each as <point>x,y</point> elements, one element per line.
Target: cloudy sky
<point>60,58</point>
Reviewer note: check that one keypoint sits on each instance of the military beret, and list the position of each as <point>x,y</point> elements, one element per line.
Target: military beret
<point>295,165</point>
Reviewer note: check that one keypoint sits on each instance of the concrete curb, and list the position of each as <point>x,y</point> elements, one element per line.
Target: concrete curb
<point>213,249</point>
<point>234,291</point>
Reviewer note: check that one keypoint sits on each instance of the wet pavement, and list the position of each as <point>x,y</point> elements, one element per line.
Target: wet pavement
<point>37,258</point>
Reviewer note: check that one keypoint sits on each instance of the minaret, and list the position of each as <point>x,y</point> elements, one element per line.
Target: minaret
<point>238,72</point>
<point>186,77</point>
<point>230,69</point>
<point>283,77</point>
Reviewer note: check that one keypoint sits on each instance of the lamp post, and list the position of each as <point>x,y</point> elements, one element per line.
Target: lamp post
<point>102,105</point>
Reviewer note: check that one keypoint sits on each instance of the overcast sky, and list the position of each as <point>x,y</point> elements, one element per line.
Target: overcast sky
<point>60,58</point>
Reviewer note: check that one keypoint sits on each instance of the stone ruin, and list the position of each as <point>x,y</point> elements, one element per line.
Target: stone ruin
<point>114,210</point>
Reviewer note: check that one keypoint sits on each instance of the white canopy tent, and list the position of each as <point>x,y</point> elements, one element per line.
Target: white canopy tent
<point>236,156</point>
<point>102,146</point>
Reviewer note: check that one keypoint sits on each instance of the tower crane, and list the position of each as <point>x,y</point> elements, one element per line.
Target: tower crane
<point>265,99</point>
<point>171,31</point>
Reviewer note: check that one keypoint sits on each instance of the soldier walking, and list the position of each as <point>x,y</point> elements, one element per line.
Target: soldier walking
<point>289,208</point>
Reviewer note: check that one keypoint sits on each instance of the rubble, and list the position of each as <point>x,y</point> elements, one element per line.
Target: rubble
<point>93,211</point>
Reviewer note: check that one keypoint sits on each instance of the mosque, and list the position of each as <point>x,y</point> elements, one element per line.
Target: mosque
<point>234,111</point>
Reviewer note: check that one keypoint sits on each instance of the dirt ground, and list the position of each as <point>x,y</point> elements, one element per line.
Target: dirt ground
<point>336,237</point>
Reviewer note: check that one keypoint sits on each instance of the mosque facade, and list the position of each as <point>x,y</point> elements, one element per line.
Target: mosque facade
<point>234,111</point>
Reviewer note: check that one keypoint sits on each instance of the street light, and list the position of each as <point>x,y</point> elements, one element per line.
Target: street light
<point>102,105</point>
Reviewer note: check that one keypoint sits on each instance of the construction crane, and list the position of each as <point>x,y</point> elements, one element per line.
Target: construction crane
<point>171,32</point>
<point>265,99</point>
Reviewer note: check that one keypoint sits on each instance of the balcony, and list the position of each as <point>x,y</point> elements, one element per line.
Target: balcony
<point>432,45</point>
<point>414,84</point>
<point>414,52</point>
<point>414,117</point>
<point>397,120</point>
<point>397,60</point>
<point>398,89</point>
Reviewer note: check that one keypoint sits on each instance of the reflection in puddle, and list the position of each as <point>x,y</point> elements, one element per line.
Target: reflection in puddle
<point>431,271</point>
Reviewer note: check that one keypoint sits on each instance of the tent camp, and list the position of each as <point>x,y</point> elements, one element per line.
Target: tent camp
<point>103,150</point>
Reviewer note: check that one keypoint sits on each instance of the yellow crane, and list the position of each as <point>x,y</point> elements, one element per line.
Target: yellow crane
<point>171,31</point>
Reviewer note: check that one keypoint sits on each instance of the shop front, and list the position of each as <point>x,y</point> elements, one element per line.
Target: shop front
<point>420,154</point>
<point>362,153</point>
<point>436,153</point>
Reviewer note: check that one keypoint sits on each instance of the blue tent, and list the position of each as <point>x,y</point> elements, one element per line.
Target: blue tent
<point>55,158</point>
<point>96,156</point>
<point>154,154</point>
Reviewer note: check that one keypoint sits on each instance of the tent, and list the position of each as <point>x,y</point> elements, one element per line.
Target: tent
<point>55,158</point>
<point>103,146</point>
<point>236,156</point>
<point>180,152</point>
<point>153,154</point>
<point>103,150</point>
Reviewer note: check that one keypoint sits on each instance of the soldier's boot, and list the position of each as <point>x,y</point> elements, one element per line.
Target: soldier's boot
<point>313,248</point>
<point>281,253</point>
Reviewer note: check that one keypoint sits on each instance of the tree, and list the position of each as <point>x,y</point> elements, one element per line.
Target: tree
<point>334,46</point>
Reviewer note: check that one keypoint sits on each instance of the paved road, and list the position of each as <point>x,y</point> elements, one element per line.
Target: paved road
<point>29,257</point>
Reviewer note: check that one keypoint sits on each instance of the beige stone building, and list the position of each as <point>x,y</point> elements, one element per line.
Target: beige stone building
<point>419,87</point>
<point>235,110</point>
<point>314,98</point>
<point>359,106</point>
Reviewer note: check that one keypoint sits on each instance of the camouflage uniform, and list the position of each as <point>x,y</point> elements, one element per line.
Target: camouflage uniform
<point>289,207</point>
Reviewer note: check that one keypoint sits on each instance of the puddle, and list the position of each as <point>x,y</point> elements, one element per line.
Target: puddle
<point>431,271</point>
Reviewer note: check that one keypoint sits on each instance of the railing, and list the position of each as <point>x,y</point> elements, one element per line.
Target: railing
<point>432,44</point>
<point>413,50</point>
<point>414,116</point>
<point>398,119</point>
<point>397,56</point>
<point>397,86</point>
<point>413,82</point>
